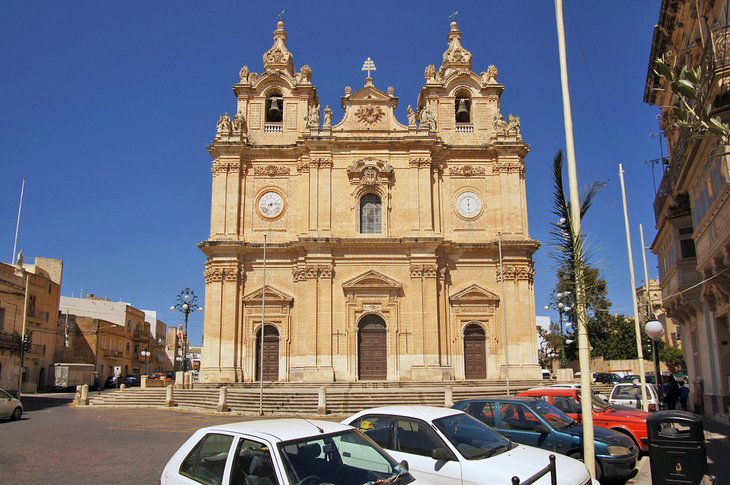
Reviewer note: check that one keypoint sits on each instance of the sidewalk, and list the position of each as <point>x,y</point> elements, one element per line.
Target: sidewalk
<point>717,437</point>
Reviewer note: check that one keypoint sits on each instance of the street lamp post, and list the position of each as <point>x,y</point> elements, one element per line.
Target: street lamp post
<point>563,298</point>
<point>146,354</point>
<point>187,303</point>
<point>655,330</point>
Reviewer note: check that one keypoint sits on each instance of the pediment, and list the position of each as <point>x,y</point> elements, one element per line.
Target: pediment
<point>371,280</point>
<point>370,94</point>
<point>473,294</point>
<point>369,109</point>
<point>272,295</point>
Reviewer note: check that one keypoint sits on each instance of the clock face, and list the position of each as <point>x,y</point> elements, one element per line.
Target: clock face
<point>271,204</point>
<point>468,204</point>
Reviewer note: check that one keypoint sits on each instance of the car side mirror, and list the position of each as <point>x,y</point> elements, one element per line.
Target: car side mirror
<point>542,429</point>
<point>442,454</point>
<point>404,464</point>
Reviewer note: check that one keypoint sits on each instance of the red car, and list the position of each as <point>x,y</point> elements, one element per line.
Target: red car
<point>631,422</point>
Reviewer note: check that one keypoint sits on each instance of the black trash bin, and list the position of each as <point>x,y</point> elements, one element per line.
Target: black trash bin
<point>677,451</point>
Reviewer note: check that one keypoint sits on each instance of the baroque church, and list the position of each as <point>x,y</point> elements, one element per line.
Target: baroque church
<point>370,249</point>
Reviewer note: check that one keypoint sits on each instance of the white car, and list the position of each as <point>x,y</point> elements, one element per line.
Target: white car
<point>282,452</point>
<point>447,446</point>
<point>10,408</point>
<point>600,396</point>
<point>628,394</point>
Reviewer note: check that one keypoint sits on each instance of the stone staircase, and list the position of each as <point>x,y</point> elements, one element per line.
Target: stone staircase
<point>283,398</point>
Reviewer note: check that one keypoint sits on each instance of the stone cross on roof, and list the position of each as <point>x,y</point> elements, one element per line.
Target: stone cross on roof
<point>368,66</point>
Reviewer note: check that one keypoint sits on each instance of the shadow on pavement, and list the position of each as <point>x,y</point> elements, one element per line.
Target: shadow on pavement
<point>37,402</point>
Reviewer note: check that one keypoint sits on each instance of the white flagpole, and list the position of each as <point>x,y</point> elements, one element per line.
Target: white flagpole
<point>17,225</point>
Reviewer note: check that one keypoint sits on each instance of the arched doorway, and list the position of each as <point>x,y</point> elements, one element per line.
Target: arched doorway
<point>372,349</point>
<point>475,352</point>
<point>271,354</point>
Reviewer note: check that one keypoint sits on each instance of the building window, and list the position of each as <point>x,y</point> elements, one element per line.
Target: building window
<point>370,214</point>
<point>686,243</point>
<point>129,324</point>
<point>127,346</point>
<point>2,318</point>
<point>103,341</point>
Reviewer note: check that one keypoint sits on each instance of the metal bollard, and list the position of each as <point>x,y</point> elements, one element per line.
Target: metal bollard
<point>222,406</point>
<point>169,401</point>
<point>322,401</point>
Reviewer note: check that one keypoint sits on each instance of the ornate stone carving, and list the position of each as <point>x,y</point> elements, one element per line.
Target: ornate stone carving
<point>411,118</point>
<point>490,77</point>
<point>467,171</point>
<point>455,57</point>
<point>509,129</point>
<point>305,75</point>
<point>424,271</point>
<point>370,172</point>
<point>239,123</point>
<point>271,170</point>
<point>312,117</point>
<point>430,72</point>
<point>369,114</point>
<point>508,167</point>
<point>279,57</point>
<point>427,119</point>
<point>323,162</point>
<point>391,91</point>
<point>213,275</point>
<point>369,176</point>
<point>514,272</point>
<point>420,162</point>
<point>220,167</point>
<point>302,167</point>
<point>327,118</point>
<point>312,272</point>
<point>224,127</point>
<point>243,75</point>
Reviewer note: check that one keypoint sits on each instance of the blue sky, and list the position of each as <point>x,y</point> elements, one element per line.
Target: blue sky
<point>106,108</point>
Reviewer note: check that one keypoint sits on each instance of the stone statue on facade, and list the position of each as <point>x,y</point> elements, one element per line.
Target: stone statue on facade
<point>327,117</point>
<point>239,123</point>
<point>313,116</point>
<point>411,117</point>
<point>305,75</point>
<point>243,74</point>
<point>224,126</point>
<point>428,119</point>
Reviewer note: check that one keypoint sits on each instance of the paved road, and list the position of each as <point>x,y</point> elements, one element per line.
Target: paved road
<point>59,444</point>
<point>55,443</point>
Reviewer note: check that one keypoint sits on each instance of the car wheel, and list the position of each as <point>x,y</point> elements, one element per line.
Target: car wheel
<point>579,456</point>
<point>17,413</point>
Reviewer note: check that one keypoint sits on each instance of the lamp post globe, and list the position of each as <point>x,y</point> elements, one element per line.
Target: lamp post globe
<point>655,330</point>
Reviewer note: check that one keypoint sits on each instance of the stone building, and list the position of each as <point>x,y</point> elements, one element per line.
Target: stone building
<point>41,283</point>
<point>112,334</point>
<point>381,238</point>
<point>649,300</point>
<point>692,205</point>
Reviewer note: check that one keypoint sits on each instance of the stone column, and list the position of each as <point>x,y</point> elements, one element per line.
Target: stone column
<point>229,326</point>
<point>324,195</point>
<point>233,199</point>
<point>211,358</point>
<point>430,316</point>
<point>218,202</point>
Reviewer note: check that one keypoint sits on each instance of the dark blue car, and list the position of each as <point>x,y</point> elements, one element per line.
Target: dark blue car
<point>532,421</point>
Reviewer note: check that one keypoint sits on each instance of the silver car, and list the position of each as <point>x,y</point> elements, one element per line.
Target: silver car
<point>9,406</point>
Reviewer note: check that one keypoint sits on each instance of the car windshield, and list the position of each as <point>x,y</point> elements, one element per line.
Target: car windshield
<point>554,416</point>
<point>348,458</point>
<point>474,439</point>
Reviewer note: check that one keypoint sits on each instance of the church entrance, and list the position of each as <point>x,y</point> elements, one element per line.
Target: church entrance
<point>372,349</point>
<point>475,355</point>
<point>271,354</point>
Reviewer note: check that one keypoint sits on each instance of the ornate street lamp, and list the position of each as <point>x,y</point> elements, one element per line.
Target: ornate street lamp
<point>187,303</point>
<point>146,354</point>
<point>655,330</point>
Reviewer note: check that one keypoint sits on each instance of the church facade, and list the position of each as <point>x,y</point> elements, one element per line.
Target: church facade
<point>370,249</point>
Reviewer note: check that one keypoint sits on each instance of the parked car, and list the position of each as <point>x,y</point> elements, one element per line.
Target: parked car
<point>130,380</point>
<point>577,386</point>
<point>531,421</point>
<point>629,395</point>
<point>284,452</point>
<point>10,407</point>
<point>631,422</point>
<point>606,377</point>
<point>446,446</point>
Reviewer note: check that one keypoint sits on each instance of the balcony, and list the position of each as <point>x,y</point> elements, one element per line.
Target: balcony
<point>113,354</point>
<point>273,127</point>
<point>9,340</point>
<point>464,128</point>
<point>36,317</point>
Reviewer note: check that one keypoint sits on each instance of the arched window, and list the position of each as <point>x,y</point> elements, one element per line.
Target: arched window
<point>462,107</point>
<point>274,108</point>
<point>370,214</point>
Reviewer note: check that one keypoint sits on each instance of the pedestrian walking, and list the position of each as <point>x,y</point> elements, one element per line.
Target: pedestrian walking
<point>683,395</point>
<point>670,392</point>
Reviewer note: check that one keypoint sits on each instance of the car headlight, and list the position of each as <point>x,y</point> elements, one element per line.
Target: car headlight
<point>618,450</point>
